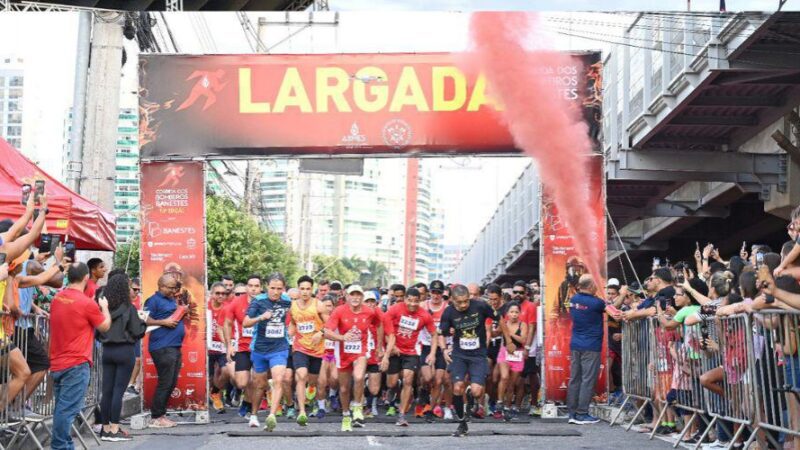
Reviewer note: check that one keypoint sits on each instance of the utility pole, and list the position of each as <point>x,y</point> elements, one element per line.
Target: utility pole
<point>102,112</point>
<point>79,101</point>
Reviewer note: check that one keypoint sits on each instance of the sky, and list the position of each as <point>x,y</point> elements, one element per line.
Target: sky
<point>47,42</point>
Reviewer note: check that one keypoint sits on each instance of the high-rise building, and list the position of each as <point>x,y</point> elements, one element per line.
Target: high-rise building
<point>12,84</point>
<point>347,216</point>
<point>452,255</point>
<point>126,184</point>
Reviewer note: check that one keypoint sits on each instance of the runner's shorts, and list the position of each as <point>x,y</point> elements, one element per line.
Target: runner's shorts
<point>476,366</point>
<point>263,362</point>
<point>216,359</point>
<point>312,363</point>
<point>242,361</point>
<point>402,362</point>
<point>439,364</point>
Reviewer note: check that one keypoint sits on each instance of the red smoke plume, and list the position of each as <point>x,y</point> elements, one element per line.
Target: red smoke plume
<point>548,127</point>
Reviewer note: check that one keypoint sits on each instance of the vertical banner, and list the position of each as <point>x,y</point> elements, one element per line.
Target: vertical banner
<point>174,241</point>
<point>412,191</point>
<point>561,269</point>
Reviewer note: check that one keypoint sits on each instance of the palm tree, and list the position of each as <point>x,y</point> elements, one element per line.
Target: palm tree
<point>378,273</point>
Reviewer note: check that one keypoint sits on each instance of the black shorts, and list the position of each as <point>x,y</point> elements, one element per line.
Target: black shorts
<point>531,367</point>
<point>6,347</point>
<point>36,355</point>
<point>493,350</point>
<point>402,362</point>
<point>215,359</point>
<point>242,362</point>
<point>312,363</point>
<point>289,361</point>
<point>476,366</point>
<point>373,368</point>
<point>439,364</point>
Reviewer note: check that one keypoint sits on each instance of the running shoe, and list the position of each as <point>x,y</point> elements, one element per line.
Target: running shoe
<point>302,420</point>
<point>448,413</point>
<point>418,411</point>
<point>264,406</point>
<point>426,410</point>
<point>478,412</point>
<point>358,416</point>
<point>438,412</point>
<point>535,411</point>
<point>311,393</point>
<point>320,414</point>
<point>243,410</point>
<point>347,423</point>
<point>216,400</point>
<point>119,436</point>
<point>132,390</point>
<point>368,414</point>
<point>392,411</point>
<point>401,421</point>
<point>462,429</point>
<point>271,423</point>
<point>291,413</point>
<point>254,421</point>
<point>498,414</point>
<point>279,412</point>
<point>336,405</point>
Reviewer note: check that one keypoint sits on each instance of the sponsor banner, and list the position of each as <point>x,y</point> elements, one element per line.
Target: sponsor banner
<point>238,105</point>
<point>173,240</point>
<point>561,269</point>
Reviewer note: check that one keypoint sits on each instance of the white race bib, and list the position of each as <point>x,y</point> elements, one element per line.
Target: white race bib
<point>514,357</point>
<point>274,330</point>
<point>469,343</point>
<point>249,332</point>
<point>408,323</point>
<point>305,327</point>
<point>370,343</point>
<point>353,347</point>
<point>329,344</point>
<point>216,346</point>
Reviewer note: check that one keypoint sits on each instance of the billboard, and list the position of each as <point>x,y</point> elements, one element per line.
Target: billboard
<point>213,106</point>
<point>560,271</point>
<point>174,240</point>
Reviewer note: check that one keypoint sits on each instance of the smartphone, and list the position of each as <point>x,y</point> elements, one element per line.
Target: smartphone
<point>26,193</point>
<point>38,190</point>
<point>45,243</point>
<point>2,258</point>
<point>769,299</point>
<point>69,250</point>
<point>759,259</point>
<point>55,239</point>
<point>656,262</point>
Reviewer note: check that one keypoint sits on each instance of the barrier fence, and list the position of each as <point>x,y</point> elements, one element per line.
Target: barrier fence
<point>739,374</point>
<point>24,413</point>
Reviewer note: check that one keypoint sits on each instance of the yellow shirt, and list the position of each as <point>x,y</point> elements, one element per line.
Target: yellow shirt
<point>307,323</point>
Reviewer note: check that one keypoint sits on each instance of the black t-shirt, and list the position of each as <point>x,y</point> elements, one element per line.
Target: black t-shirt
<point>469,338</point>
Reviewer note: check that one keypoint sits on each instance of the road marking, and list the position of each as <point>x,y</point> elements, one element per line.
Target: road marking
<point>373,441</point>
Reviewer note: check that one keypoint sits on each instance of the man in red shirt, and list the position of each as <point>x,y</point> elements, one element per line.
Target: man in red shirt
<point>402,324</point>
<point>73,320</point>
<point>238,339</point>
<point>218,368</point>
<point>528,315</point>
<point>349,325</point>
<point>97,270</point>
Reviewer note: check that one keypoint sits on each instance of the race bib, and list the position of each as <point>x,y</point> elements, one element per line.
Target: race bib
<point>370,343</point>
<point>305,327</point>
<point>249,332</point>
<point>216,346</point>
<point>353,347</point>
<point>274,330</point>
<point>409,323</point>
<point>329,344</point>
<point>514,357</point>
<point>468,343</point>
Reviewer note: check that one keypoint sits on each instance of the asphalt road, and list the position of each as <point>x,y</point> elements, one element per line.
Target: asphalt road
<point>484,434</point>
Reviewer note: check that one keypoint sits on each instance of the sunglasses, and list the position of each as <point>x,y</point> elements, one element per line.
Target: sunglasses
<point>519,292</point>
<point>239,292</point>
<point>136,289</point>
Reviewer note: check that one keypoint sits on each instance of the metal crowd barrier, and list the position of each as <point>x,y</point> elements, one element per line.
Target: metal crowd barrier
<point>776,338</point>
<point>29,412</point>
<point>636,375</point>
<point>759,356</point>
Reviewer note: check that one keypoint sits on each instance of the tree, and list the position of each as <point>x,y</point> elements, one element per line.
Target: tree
<point>332,268</point>
<point>369,273</point>
<point>127,257</point>
<point>238,246</point>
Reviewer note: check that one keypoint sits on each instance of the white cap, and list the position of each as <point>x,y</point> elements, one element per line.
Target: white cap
<point>370,295</point>
<point>354,288</point>
<point>613,282</point>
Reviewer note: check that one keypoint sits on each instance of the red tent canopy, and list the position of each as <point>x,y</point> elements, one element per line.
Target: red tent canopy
<point>85,223</point>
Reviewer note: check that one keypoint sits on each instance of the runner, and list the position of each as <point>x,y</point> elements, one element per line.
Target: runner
<point>307,321</point>
<point>374,374</point>
<point>219,371</point>
<point>328,375</point>
<point>510,360</point>
<point>402,324</point>
<point>495,341</point>
<point>349,326</point>
<point>268,313</point>
<point>469,356</point>
<point>398,292</point>
<point>293,295</point>
<point>433,376</point>
<point>237,340</point>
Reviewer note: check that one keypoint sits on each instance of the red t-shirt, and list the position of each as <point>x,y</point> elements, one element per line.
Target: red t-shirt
<point>343,319</point>
<point>372,340</point>
<point>236,312</point>
<point>90,289</point>
<point>73,318</point>
<point>137,302</point>
<point>217,316</point>
<point>528,312</point>
<point>406,326</point>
